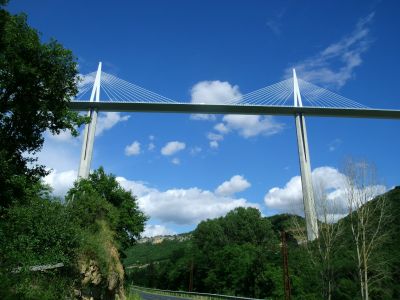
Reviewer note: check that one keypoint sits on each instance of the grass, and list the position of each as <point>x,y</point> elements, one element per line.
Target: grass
<point>133,295</point>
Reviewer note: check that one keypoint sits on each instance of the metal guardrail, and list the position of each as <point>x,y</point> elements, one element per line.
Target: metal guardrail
<point>191,294</point>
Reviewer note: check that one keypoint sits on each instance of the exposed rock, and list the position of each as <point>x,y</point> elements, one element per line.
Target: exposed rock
<point>160,238</point>
<point>98,283</point>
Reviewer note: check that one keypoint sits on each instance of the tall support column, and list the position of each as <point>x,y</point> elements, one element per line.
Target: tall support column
<point>90,130</point>
<point>305,166</point>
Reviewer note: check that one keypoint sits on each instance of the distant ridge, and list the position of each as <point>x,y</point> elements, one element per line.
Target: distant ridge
<point>160,238</point>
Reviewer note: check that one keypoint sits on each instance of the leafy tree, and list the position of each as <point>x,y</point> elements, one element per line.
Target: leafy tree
<point>232,254</point>
<point>101,197</point>
<point>37,81</point>
<point>39,232</point>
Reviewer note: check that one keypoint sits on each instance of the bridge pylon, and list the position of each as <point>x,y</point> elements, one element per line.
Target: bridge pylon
<point>305,165</point>
<point>90,130</point>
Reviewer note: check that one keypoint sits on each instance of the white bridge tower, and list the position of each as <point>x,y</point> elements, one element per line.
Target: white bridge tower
<point>90,130</point>
<point>305,166</point>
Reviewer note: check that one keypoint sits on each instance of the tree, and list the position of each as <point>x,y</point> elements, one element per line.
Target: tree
<point>323,250</point>
<point>37,81</point>
<point>367,218</point>
<point>237,255</point>
<point>37,233</point>
<point>101,197</point>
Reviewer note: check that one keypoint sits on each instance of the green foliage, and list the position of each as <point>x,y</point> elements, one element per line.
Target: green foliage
<point>40,232</point>
<point>88,207</point>
<point>145,253</point>
<point>133,296</point>
<point>239,254</point>
<point>37,81</point>
<point>100,197</point>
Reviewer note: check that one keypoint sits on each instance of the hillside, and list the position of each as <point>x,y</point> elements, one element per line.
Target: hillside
<point>155,249</point>
<point>239,254</point>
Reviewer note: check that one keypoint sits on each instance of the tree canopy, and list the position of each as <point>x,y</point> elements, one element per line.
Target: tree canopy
<point>100,197</point>
<point>37,81</point>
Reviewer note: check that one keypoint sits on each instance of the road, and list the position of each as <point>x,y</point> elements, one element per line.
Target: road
<point>148,296</point>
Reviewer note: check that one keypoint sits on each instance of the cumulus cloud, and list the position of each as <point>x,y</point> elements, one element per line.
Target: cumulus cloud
<point>218,92</point>
<point>214,136</point>
<point>214,139</point>
<point>61,182</point>
<point>213,92</point>
<point>234,185</point>
<point>326,180</point>
<point>63,136</point>
<point>108,120</point>
<point>182,206</point>
<point>156,230</point>
<point>172,147</point>
<point>335,65</point>
<point>132,149</point>
<point>221,128</point>
<point>248,126</point>
<point>138,188</point>
<point>214,144</point>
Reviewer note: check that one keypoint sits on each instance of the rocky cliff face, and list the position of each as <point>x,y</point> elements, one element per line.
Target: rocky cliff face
<point>94,284</point>
<point>100,268</point>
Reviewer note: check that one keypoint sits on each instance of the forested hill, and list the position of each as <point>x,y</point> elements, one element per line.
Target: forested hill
<point>240,254</point>
<point>156,249</point>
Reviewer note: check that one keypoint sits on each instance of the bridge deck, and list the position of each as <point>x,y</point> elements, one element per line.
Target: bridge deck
<point>235,109</point>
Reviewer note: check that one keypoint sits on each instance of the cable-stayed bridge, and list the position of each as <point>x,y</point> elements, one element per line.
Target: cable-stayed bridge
<point>276,99</point>
<point>100,91</point>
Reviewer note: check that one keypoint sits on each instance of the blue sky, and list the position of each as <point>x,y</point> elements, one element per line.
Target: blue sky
<point>188,49</point>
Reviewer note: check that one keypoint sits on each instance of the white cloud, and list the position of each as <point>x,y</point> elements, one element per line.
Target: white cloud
<point>172,147</point>
<point>176,161</point>
<point>59,156</point>
<point>213,92</point>
<point>203,117</point>
<point>182,206</point>
<point>108,120</point>
<point>156,230</point>
<point>63,136</point>
<point>61,182</point>
<point>326,180</point>
<point>221,128</point>
<point>214,136</point>
<point>234,185</point>
<point>151,146</point>
<point>334,66</point>
<point>219,92</point>
<point>138,188</point>
<point>248,126</point>
<point>132,149</point>
<point>214,144</point>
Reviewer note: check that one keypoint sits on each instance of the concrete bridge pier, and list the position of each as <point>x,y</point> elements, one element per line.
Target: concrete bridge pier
<point>90,130</point>
<point>305,166</point>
